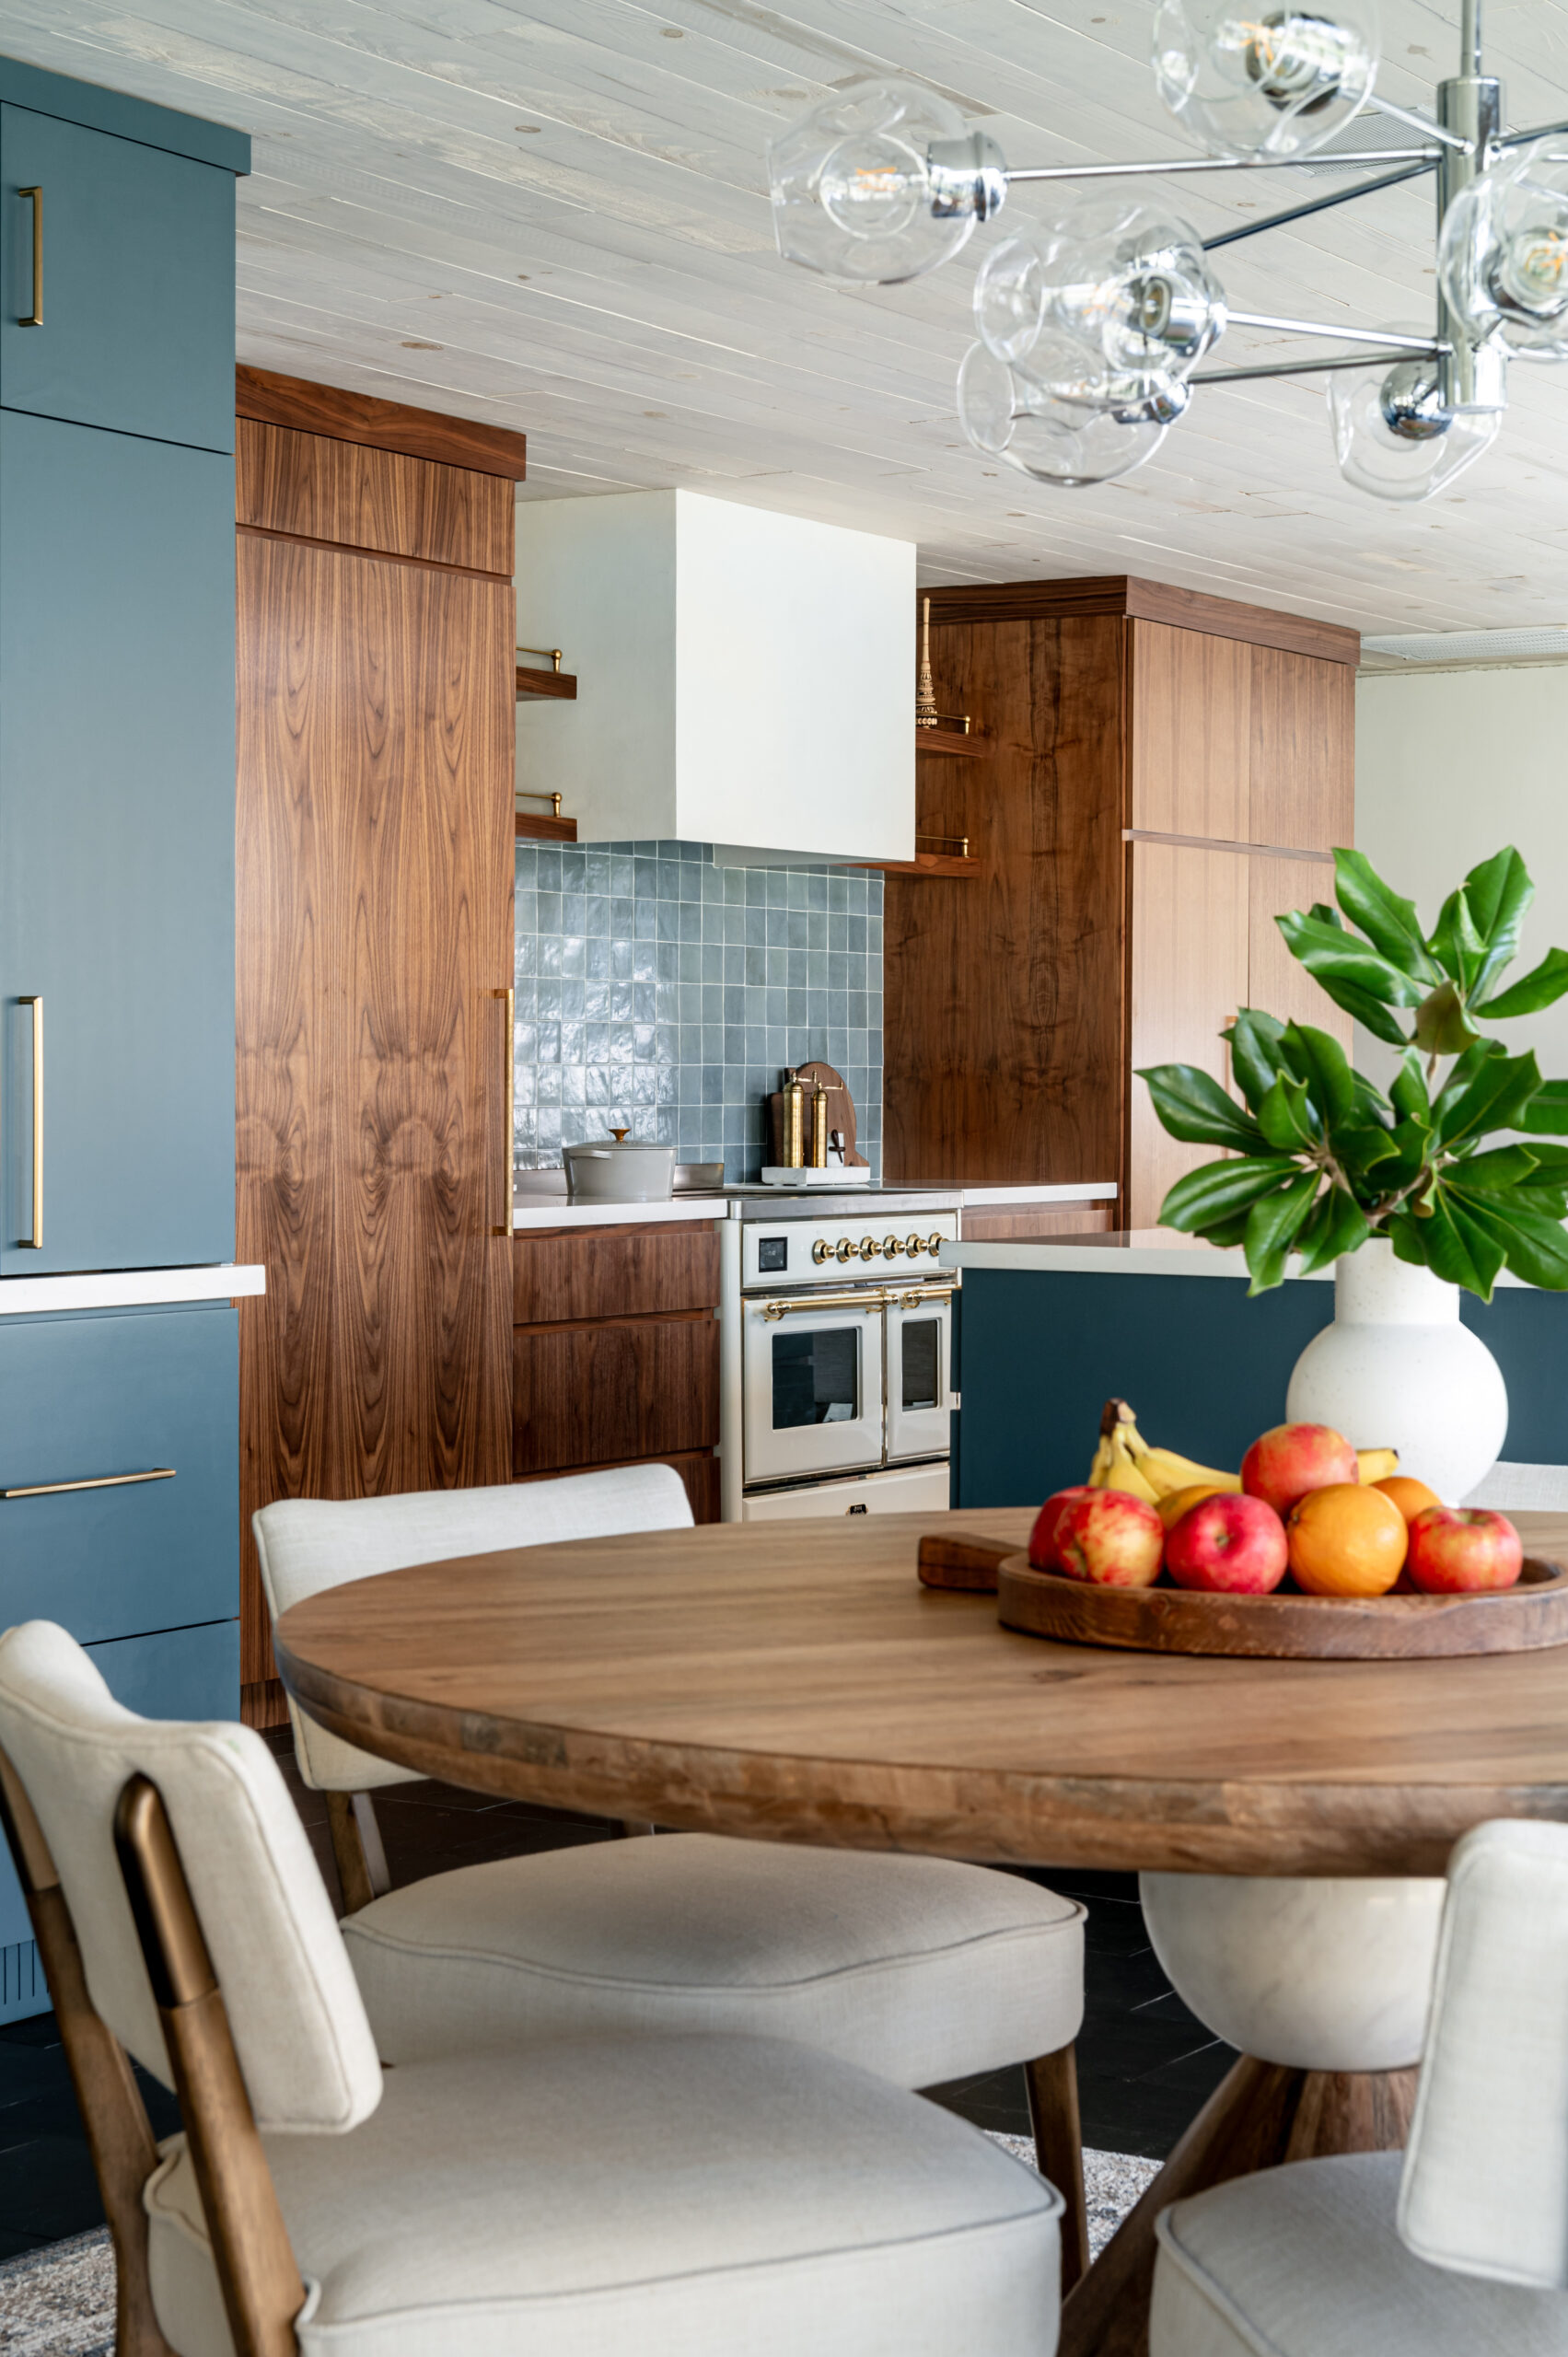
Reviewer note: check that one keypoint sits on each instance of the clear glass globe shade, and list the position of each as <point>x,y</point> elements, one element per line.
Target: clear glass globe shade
<point>1064,443</point>
<point>1113,293</point>
<point>1269,81</point>
<point>1503,256</point>
<point>856,192</point>
<point>1393,436</point>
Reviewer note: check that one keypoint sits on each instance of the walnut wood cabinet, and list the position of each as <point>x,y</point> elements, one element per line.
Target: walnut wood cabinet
<point>615,1352</point>
<point>375,950</point>
<point>1169,772</point>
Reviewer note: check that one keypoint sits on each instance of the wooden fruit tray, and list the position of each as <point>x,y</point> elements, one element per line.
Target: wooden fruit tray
<point>1283,1626</point>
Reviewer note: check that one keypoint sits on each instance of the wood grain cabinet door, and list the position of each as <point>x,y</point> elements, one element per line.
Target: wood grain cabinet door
<point>1189,964</point>
<point>621,1389</point>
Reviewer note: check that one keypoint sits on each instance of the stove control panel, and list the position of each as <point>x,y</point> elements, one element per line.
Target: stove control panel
<point>838,1251</point>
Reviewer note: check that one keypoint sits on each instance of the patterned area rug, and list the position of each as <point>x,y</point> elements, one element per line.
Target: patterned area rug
<point>60,2302</point>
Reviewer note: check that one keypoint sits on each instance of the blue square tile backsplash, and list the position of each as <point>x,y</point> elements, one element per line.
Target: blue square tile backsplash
<point>659,993</point>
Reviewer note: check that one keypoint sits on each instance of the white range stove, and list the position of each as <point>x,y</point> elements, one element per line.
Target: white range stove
<point>835,1356</point>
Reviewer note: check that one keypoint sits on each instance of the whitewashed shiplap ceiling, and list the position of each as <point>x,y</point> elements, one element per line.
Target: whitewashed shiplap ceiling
<point>553,213</point>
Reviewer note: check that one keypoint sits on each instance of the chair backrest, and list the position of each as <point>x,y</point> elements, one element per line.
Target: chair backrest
<point>310,1544</point>
<point>1485,2185</point>
<point>298,2023</point>
<point>1524,1489</point>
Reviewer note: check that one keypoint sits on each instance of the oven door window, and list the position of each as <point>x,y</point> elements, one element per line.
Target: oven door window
<point>816,1378</point>
<point>918,1380</point>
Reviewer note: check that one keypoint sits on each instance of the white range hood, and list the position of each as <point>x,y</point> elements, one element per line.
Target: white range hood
<point>744,678</point>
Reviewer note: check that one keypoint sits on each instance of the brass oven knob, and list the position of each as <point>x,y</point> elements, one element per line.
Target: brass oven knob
<point>915,1246</point>
<point>867,1247</point>
<point>821,1250</point>
<point>846,1250</point>
<point>934,1244</point>
<point>891,1248</point>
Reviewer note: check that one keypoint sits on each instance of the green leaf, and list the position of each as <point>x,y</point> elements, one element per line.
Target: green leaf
<point>1330,955</point>
<point>1550,1177</point>
<point>1442,1026</point>
<point>1369,1101</point>
<point>1253,1040</point>
<point>1337,1224</point>
<point>1458,1246</point>
<point>1546,1115</point>
<point>1369,1011</point>
<point>1498,893</point>
<point>1220,1189</point>
<point>1542,986</point>
<point>1499,1088</point>
<point>1536,1244</point>
<point>1286,1115</point>
<point>1362,1146</point>
<point>1325,914</point>
<point>1389,924</point>
<point>1317,1058</point>
<point>1408,1094</point>
<point>1459,950</point>
<point>1194,1107</point>
<point>1272,1228</point>
<point>1500,1170</point>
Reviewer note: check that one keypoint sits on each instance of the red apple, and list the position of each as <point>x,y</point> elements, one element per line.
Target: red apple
<point>1456,1549</point>
<point>1293,1459</point>
<point>1042,1537</point>
<point>1109,1540</point>
<point>1229,1544</point>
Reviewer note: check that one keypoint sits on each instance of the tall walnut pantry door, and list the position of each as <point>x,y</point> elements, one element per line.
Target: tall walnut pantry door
<point>375,901</point>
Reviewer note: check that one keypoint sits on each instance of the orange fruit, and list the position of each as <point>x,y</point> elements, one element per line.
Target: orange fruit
<point>1174,1505</point>
<point>1345,1540</point>
<point>1411,1497</point>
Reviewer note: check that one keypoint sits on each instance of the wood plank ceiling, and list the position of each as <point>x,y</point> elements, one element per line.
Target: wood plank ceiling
<point>553,213</point>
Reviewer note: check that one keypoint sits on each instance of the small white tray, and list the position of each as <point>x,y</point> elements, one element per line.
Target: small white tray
<point>837,1174</point>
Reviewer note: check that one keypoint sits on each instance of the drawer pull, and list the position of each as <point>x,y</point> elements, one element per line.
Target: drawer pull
<point>34,318</point>
<point>34,1243</point>
<point>509,1086</point>
<point>97,1482</point>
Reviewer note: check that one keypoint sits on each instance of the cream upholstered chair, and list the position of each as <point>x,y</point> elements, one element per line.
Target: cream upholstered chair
<point>921,1970</point>
<point>675,2196</point>
<point>1459,2246</point>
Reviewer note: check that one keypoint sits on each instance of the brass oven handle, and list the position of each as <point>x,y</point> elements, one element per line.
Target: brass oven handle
<point>817,1301</point>
<point>34,318</point>
<point>34,1243</point>
<point>511,998</point>
<point>912,1299</point>
<point>97,1482</point>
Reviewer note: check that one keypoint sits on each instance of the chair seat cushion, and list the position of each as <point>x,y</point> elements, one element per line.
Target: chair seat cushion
<point>918,1969</point>
<point>658,2197</point>
<point>1305,2261</point>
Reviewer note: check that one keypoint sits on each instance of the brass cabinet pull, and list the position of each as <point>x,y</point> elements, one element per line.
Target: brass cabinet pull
<point>34,318</point>
<point>511,998</point>
<point>96,1481</point>
<point>34,1243</point>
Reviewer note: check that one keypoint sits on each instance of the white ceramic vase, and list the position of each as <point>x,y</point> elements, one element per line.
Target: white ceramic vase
<point>1397,1370</point>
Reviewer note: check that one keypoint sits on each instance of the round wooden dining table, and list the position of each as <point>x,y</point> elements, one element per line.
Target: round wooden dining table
<point>794,1681</point>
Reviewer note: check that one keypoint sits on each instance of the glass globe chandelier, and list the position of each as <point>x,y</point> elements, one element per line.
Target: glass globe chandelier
<point>1093,323</point>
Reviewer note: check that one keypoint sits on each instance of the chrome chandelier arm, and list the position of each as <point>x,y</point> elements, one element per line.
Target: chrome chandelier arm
<point>1379,336</point>
<point>1414,121</point>
<point>1305,367</point>
<point>1526,138</point>
<point>1314,204</point>
<point>1422,156</point>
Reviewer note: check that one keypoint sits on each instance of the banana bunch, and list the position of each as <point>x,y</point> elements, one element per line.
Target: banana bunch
<point>1124,1460</point>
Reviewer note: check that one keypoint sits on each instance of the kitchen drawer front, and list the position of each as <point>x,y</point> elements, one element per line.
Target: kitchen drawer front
<point>559,1274</point>
<point>179,1674</point>
<point>88,1396</point>
<point>138,284</point>
<point>626,1388</point>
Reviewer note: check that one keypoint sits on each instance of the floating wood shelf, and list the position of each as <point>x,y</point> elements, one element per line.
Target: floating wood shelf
<point>924,863</point>
<point>533,684</point>
<point>544,829</point>
<point>951,740</point>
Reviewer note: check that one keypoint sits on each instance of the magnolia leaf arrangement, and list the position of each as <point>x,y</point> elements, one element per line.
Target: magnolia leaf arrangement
<point>1319,1160</point>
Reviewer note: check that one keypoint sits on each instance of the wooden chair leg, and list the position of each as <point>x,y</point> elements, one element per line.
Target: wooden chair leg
<point>262,2292</point>
<point>1052,2083</point>
<point>358,1848</point>
<point>120,2137</point>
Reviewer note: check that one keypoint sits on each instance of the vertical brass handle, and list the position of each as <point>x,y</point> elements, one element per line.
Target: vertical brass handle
<point>511,999</point>
<point>34,1243</point>
<point>34,318</point>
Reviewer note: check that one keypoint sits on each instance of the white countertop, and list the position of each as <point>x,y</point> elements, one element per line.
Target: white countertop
<point>537,1209</point>
<point>1137,1252</point>
<point>131,1288</point>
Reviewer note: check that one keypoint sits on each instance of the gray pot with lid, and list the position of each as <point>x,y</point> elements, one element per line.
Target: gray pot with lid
<point>619,1169</point>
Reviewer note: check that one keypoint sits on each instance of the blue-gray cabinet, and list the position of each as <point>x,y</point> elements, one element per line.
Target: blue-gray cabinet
<point>116,891</point>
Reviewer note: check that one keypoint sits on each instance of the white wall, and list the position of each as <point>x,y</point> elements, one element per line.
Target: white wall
<point>1450,766</point>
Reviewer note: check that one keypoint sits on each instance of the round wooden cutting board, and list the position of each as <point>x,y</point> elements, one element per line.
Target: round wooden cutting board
<point>1285,1625</point>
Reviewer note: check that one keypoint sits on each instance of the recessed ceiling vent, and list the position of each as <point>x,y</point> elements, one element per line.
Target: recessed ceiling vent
<point>1454,649</point>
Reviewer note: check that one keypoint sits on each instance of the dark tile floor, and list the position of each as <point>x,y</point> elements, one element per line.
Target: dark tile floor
<point>1145,2064</point>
